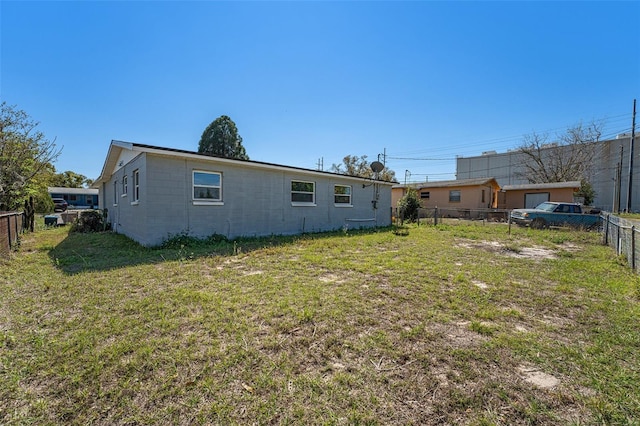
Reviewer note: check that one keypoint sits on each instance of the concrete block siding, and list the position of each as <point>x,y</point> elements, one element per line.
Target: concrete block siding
<point>256,198</point>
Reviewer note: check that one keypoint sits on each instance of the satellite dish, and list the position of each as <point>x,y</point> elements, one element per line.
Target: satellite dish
<point>377,166</point>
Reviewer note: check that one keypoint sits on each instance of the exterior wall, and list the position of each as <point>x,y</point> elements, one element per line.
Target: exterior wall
<point>255,201</point>
<point>515,199</point>
<point>609,155</point>
<point>470,196</point>
<point>125,215</point>
<point>397,192</point>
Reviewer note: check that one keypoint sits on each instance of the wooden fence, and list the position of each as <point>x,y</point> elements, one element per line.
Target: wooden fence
<point>11,225</point>
<point>622,235</point>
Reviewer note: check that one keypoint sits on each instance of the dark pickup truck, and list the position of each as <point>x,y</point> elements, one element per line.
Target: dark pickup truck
<point>556,214</point>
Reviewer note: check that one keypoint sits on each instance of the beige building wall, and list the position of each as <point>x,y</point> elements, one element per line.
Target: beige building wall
<point>515,199</point>
<point>478,194</point>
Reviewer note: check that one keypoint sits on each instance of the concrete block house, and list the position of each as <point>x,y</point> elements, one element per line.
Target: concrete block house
<point>455,194</point>
<point>154,193</point>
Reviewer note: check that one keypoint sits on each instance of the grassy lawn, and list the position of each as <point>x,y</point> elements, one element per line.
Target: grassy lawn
<point>455,324</point>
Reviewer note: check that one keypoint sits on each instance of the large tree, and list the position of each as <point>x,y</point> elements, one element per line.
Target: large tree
<point>353,165</point>
<point>569,158</point>
<point>25,153</point>
<point>221,139</point>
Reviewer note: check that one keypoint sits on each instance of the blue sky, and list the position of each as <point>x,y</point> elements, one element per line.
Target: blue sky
<point>304,81</point>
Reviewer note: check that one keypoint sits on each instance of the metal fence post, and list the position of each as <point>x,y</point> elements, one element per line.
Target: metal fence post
<point>633,247</point>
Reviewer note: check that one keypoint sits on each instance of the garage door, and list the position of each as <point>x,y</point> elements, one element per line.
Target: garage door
<point>533,199</point>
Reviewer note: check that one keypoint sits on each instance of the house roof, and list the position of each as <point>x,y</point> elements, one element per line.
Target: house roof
<point>452,183</point>
<point>552,185</point>
<point>81,191</point>
<point>116,148</point>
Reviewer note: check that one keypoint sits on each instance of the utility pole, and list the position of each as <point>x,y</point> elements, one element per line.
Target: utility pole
<point>320,164</point>
<point>617,190</point>
<point>633,136</point>
<point>384,157</point>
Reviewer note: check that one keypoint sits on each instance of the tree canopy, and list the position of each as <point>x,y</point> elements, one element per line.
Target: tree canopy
<point>221,138</point>
<point>25,157</point>
<point>353,165</point>
<point>570,158</point>
<point>70,179</point>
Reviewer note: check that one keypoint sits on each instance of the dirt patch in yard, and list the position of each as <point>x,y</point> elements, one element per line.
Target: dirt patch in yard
<point>538,378</point>
<point>534,252</point>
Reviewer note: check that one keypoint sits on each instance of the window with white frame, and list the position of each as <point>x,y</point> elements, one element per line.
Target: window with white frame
<point>207,186</point>
<point>125,183</point>
<point>136,185</point>
<point>342,195</point>
<point>303,192</point>
<point>454,196</point>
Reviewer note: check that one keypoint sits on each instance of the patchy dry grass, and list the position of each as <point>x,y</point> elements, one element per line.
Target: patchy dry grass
<point>446,325</point>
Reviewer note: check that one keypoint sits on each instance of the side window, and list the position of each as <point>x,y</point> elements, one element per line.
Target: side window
<point>425,195</point>
<point>136,185</point>
<point>342,194</point>
<point>454,196</point>
<point>125,180</point>
<point>303,192</point>
<point>207,186</point>
<point>115,193</point>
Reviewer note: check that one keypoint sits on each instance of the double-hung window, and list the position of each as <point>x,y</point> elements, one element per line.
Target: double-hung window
<point>136,186</point>
<point>303,192</point>
<point>342,195</point>
<point>124,185</point>
<point>454,196</point>
<point>207,186</point>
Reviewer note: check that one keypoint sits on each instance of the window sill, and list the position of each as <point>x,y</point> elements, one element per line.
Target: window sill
<point>135,203</point>
<point>207,203</point>
<point>123,195</point>
<point>343,205</point>
<point>294,204</point>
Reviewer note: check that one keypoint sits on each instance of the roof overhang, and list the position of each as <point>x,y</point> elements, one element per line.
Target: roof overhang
<point>575,185</point>
<point>122,152</point>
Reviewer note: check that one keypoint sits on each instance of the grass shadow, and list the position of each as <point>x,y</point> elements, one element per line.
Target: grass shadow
<point>87,252</point>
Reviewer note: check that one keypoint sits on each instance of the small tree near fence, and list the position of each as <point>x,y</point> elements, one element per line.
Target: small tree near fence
<point>409,206</point>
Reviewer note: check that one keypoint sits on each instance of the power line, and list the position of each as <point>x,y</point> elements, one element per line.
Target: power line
<point>501,141</point>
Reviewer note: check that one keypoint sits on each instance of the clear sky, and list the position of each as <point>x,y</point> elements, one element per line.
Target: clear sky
<point>315,81</point>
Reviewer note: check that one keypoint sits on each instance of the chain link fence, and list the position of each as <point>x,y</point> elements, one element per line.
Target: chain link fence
<point>433,216</point>
<point>622,235</point>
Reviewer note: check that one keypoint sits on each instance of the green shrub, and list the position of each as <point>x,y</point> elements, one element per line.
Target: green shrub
<point>409,205</point>
<point>90,221</point>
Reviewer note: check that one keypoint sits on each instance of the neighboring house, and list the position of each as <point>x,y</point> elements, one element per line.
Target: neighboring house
<point>153,193</point>
<point>461,195</point>
<point>609,175</point>
<point>77,198</point>
<point>530,195</point>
